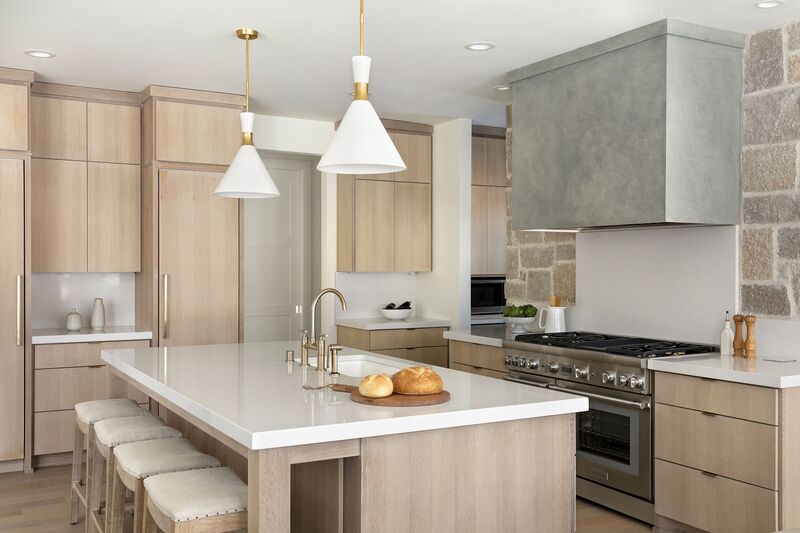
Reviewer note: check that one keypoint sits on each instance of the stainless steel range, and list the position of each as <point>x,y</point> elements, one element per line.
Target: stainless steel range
<point>614,459</point>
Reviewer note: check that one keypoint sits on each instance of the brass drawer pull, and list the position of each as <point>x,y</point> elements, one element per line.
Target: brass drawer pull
<point>165,322</point>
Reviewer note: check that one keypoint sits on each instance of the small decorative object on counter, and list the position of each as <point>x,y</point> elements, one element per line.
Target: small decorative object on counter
<point>397,312</point>
<point>726,338</point>
<point>74,321</point>
<point>750,341</point>
<point>738,340</point>
<point>521,317</point>
<point>98,314</point>
<point>556,320</point>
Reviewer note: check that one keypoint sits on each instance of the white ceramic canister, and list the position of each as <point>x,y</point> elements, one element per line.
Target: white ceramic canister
<point>74,321</point>
<point>98,314</point>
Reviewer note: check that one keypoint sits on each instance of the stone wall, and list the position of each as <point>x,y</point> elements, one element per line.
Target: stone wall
<point>538,264</point>
<point>770,231</point>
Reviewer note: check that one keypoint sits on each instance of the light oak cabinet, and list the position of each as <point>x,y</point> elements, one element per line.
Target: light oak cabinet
<point>489,206</point>
<point>374,226</point>
<point>425,345</point>
<point>113,133</point>
<point>113,217</point>
<point>196,133</point>
<point>477,359</point>
<point>416,151</point>
<point>13,116</point>
<point>726,456</point>
<point>58,128</point>
<point>412,227</point>
<point>489,161</point>
<point>12,271</point>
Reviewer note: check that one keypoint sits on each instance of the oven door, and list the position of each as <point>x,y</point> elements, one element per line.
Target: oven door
<point>488,295</point>
<point>613,438</point>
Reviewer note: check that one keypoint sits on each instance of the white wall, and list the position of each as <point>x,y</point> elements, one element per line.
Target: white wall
<point>445,292</point>
<point>53,295</point>
<point>671,283</point>
<point>367,293</point>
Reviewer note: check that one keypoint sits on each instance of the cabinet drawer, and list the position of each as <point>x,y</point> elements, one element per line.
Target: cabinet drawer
<point>734,448</point>
<point>390,339</point>
<point>57,389</point>
<point>478,370</point>
<point>431,355</point>
<point>713,503</point>
<point>78,354</point>
<point>479,355</point>
<point>748,402</point>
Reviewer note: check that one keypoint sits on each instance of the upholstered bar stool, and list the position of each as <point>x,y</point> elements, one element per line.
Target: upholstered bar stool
<point>213,499</point>
<point>108,435</point>
<point>137,461</point>
<point>86,415</point>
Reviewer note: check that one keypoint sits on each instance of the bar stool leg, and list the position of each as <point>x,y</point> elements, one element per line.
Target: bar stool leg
<point>115,508</point>
<point>110,474</point>
<point>96,483</point>
<point>148,524</point>
<point>138,506</point>
<point>77,468</point>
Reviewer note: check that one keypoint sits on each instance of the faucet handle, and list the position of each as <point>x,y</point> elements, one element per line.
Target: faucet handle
<point>334,350</point>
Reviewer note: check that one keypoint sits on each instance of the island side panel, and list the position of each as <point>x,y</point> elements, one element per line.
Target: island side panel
<point>506,476</point>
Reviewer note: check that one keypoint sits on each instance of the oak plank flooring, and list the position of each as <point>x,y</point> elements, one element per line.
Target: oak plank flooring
<point>39,502</point>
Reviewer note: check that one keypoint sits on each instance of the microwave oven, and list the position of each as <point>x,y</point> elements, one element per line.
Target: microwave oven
<point>488,295</point>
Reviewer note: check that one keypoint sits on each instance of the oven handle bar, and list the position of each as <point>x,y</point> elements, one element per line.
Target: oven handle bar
<point>527,382</point>
<point>640,405</point>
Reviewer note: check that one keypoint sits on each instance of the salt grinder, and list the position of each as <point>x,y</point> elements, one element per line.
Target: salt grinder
<point>738,341</point>
<point>750,341</point>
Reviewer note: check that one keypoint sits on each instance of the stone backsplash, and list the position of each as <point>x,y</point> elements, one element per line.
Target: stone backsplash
<point>770,230</point>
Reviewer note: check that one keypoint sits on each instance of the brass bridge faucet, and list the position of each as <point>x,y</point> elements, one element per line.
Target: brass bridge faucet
<point>320,344</point>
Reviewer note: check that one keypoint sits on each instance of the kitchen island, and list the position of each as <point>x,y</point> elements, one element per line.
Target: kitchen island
<point>492,458</point>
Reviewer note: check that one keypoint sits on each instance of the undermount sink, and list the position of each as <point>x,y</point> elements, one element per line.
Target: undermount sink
<point>360,365</point>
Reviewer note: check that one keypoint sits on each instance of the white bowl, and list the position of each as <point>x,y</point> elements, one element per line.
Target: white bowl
<point>396,314</point>
<point>519,323</point>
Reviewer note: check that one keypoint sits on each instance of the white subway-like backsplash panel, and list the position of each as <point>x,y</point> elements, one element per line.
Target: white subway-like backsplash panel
<point>367,292</point>
<point>53,295</point>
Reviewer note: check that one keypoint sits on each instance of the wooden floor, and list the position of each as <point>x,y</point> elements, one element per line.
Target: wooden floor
<point>40,503</point>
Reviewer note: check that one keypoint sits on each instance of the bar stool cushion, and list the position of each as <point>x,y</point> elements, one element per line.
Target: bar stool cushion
<point>116,431</point>
<point>148,458</point>
<point>194,494</point>
<point>97,410</point>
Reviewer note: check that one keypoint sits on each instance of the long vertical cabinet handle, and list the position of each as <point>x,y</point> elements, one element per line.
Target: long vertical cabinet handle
<point>19,309</point>
<point>165,325</point>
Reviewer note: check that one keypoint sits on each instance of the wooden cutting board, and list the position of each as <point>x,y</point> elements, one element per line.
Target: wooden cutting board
<point>395,400</point>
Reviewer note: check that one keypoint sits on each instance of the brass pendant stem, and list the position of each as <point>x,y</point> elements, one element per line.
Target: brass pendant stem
<point>361,91</point>
<point>247,75</point>
<point>361,30</point>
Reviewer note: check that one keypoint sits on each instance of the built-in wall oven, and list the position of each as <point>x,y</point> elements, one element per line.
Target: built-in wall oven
<point>488,297</point>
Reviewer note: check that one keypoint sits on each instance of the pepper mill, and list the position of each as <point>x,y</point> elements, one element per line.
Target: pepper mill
<point>738,341</point>
<point>750,341</point>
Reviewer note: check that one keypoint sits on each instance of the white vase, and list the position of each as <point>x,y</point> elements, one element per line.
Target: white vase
<point>74,320</point>
<point>98,314</point>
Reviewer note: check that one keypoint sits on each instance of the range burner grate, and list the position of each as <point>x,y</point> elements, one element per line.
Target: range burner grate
<point>615,344</point>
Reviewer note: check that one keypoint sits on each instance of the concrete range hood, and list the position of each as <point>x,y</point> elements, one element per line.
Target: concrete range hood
<point>639,130</point>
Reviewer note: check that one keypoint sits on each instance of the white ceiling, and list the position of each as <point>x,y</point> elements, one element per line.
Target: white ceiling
<point>301,63</point>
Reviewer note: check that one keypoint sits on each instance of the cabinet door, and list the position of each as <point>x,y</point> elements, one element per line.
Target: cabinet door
<point>496,236</point>
<point>412,230</point>
<point>113,133</point>
<point>374,219</point>
<point>58,217</point>
<point>415,149</point>
<point>193,133</point>
<point>345,198</point>
<point>478,248</point>
<point>199,253</point>
<point>12,267</point>
<point>114,218</point>
<point>479,160</point>
<point>58,128</point>
<point>13,117</point>
<point>495,162</point>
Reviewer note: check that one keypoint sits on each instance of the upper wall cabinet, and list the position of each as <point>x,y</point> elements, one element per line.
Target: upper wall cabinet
<point>58,128</point>
<point>489,237</point>
<point>194,133</point>
<point>489,161</point>
<point>415,147</point>
<point>114,133</point>
<point>13,116</point>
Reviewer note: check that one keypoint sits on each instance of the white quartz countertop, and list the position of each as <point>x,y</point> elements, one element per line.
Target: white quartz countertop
<point>111,333</point>
<point>493,335</point>
<point>247,392</point>
<point>377,322</point>
<point>765,371</point>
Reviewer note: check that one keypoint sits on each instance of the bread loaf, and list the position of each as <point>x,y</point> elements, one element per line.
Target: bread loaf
<point>375,386</point>
<point>417,380</point>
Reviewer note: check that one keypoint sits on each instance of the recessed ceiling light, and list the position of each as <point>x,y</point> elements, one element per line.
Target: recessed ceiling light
<point>479,46</point>
<point>41,54</point>
<point>502,87</point>
<point>766,4</point>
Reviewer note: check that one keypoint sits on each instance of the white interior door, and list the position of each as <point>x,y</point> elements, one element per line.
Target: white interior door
<point>275,266</point>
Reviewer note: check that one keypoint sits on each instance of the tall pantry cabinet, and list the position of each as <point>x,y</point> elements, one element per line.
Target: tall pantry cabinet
<point>14,165</point>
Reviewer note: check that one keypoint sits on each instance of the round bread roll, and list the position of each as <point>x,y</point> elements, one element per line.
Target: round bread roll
<point>417,380</point>
<point>375,386</point>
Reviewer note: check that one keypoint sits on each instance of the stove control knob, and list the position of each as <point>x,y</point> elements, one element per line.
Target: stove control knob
<point>581,373</point>
<point>623,380</point>
<point>552,368</point>
<point>636,382</point>
<point>513,361</point>
<point>507,360</point>
<point>532,365</point>
<point>609,377</point>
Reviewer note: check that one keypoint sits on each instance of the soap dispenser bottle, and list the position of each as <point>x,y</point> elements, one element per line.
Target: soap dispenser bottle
<point>726,339</point>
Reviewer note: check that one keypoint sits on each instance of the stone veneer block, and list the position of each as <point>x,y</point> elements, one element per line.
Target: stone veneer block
<point>772,117</point>
<point>565,252</point>
<point>795,281</point>
<point>512,263</point>
<point>765,300</point>
<point>757,255</point>
<point>763,63</point>
<point>537,257</point>
<point>772,168</point>
<point>539,285</point>
<point>793,36</point>
<point>527,237</point>
<point>564,280</point>
<point>789,243</point>
<point>559,236</point>
<point>773,209</point>
<point>516,291</point>
<point>794,68</point>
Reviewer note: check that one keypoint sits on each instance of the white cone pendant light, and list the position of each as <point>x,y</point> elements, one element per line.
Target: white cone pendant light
<point>247,177</point>
<point>361,144</point>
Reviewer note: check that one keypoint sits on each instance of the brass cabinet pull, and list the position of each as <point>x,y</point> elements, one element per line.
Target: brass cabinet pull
<point>19,309</point>
<point>165,324</point>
